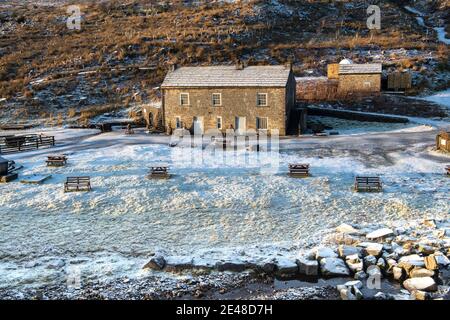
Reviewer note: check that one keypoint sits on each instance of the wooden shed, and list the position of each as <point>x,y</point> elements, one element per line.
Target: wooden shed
<point>399,81</point>
<point>443,141</point>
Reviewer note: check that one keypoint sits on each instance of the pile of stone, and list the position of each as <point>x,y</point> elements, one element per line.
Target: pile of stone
<point>416,255</point>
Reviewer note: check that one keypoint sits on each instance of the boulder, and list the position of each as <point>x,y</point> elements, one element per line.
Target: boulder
<point>425,249</point>
<point>413,259</point>
<point>430,263</point>
<point>423,284</point>
<point>234,265</point>
<point>380,233</point>
<point>371,248</point>
<point>360,275</point>
<point>369,261</point>
<point>398,273</point>
<point>308,267</point>
<point>346,228</point>
<point>354,263</point>
<point>420,273</point>
<point>333,267</point>
<point>286,267</point>
<point>381,263</point>
<point>325,253</point>
<point>157,262</point>
<point>355,283</point>
<point>345,251</point>
<point>441,260</point>
<point>346,294</point>
<point>178,263</point>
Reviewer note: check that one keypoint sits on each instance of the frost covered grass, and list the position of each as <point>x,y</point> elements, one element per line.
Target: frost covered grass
<point>207,208</point>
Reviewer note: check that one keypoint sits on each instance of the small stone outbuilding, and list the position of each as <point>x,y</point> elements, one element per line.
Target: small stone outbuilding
<point>443,141</point>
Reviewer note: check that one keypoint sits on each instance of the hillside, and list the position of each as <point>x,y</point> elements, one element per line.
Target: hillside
<point>50,73</point>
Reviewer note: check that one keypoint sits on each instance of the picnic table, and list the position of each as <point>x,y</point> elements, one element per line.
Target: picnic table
<point>159,171</point>
<point>367,184</point>
<point>77,184</point>
<point>56,160</point>
<point>299,169</point>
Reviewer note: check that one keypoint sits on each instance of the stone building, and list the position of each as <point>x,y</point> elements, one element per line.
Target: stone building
<point>443,141</point>
<point>345,80</point>
<point>228,97</point>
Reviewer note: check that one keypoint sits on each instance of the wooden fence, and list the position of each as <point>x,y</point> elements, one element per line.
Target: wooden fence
<point>12,144</point>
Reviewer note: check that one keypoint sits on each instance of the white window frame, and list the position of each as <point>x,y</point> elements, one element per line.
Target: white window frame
<point>220,99</point>
<point>257,99</point>
<point>178,119</point>
<point>188,99</point>
<point>217,122</point>
<point>267,123</point>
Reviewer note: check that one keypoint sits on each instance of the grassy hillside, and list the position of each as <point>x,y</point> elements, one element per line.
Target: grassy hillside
<point>124,47</point>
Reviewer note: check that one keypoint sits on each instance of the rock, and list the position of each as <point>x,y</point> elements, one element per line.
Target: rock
<point>360,275</point>
<point>430,263</point>
<point>420,295</point>
<point>157,262</point>
<point>421,272</point>
<point>412,260</point>
<point>354,263</point>
<point>429,223</point>
<point>325,253</point>
<point>441,260</point>
<point>380,296</point>
<point>346,239</point>
<point>268,266</point>
<point>286,267</point>
<point>308,267</point>
<point>380,233</point>
<point>423,284</point>
<point>345,251</point>
<point>369,261</point>
<point>178,263</point>
<point>333,267</point>
<point>355,283</point>
<point>346,228</point>
<point>391,263</point>
<point>371,248</point>
<point>399,231</point>
<point>425,249</point>
<point>346,294</point>
<point>235,266</point>
<point>398,273</point>
<point>381,263</point>
<point>357,293</point>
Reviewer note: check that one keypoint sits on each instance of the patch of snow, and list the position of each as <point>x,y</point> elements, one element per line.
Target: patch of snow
<point>442,35</point>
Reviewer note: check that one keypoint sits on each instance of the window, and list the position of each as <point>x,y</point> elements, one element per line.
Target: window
<point>216,99</point>
<point>261,99</point>
<point>219,123</point>
<point>184,99</point>
<point>178,123</point>
<point>261,123</point>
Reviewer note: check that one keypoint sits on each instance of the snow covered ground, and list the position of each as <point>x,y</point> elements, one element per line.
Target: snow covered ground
<point>208,209</point>
<point>442,98</point>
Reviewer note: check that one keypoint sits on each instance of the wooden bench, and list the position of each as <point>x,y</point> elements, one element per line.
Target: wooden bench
<point>299,170</point>
<point>367,184</point>
<point>77,184</point>
<point>56,160</point>
<point>159,172</point>
<point>447,168</point>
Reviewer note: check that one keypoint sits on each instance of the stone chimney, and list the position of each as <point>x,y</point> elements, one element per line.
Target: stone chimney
<point>173,67</point>
<point>239,65</point>
<point>288,65</point>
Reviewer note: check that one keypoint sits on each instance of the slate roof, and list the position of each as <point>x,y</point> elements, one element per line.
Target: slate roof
<point>368,68</point>
<point>227,76</point>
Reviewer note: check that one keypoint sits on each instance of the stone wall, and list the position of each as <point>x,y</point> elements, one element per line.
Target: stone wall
<point>236,102</point>
<point>359,83</point>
